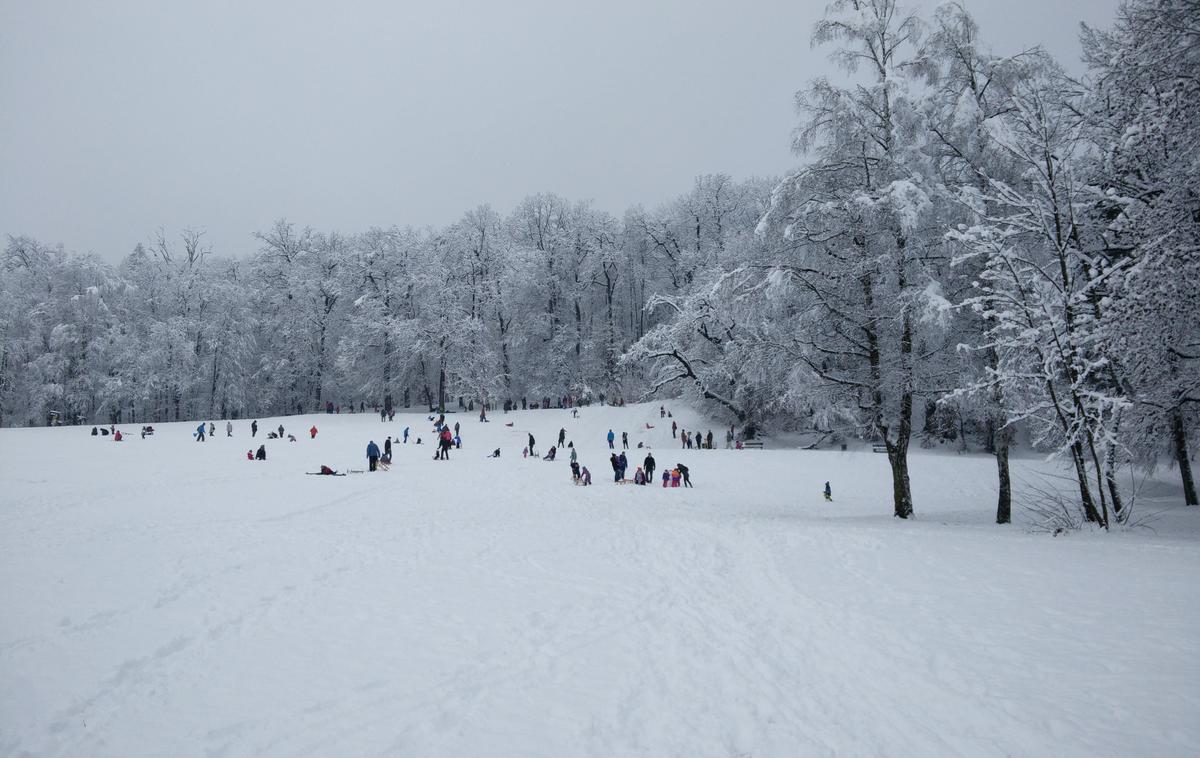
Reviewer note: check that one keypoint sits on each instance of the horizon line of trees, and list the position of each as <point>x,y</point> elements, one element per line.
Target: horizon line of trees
<point>975,245</point>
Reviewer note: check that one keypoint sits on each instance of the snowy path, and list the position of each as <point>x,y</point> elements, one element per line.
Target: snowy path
<point>164,597</point>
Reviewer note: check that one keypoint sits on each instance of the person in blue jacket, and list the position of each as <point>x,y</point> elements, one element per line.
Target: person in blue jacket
<point>611,437</point>
<point>199,435</point>
<point>372,454</point>
<point>406,435</point>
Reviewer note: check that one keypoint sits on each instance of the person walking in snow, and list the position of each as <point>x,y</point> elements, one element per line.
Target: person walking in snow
<point>532,449</point>
<point>648,464</point>
<point>212,429</point>
<point>200,432</point>
<point>455,428</point>
<point>254,427</point>
<point>673,428</point>
<point>611,437</point>
<point>828,493</point>
<point>624,440</point>
<point>683,472</point>
<point>228,428</point>
<point>406,435</point>
<point>624,464</point>
<point>662,412</point>
<point>372,455</point>
<point>281,431</point>
<point>562,437</point>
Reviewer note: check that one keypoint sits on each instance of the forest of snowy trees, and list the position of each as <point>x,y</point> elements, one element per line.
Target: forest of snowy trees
<point>977,249</point>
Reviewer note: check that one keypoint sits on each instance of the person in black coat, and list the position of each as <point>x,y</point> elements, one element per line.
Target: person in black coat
<point>648,466</point>
<point>683,471</point>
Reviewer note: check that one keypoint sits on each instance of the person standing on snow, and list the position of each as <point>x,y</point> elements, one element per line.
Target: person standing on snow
<point>312,433</point>
<point>624,440</point>
<point>531,448</point>
<point>828,492</point>
<point>708,442</point>
<point>574,455</point>
<point>387,447</point>
<point>562,437</point>
<point>254,427</point>
<point>200,432</point>
<point>624,463</point>
<point>212,429</point>
<point>406,435</point>
<point>616,466</point>
<point>673,428</point>
<point>455,428</point>
<point>683,471</point>
<point>372,455</point>
<point>611,437</point>
<point>228,428</point>
<point>281,431</point>
<point>648,465</point>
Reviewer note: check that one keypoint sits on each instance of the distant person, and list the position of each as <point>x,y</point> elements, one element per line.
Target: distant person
<point>639,477</point>
<point>531,447</point>
<point>666,478</point>
<point>212,429</point>
<point>550,453</point>
<point>228,428</point>
<point>624,440</point>
<point>199,435</point>
<point>312,433</point>
<point>616,466</point>
<point>683,472</point>
<point>249,455</point>
<point>261,455</point>
<point>574,472</point>
<point>562,437</point>
<point>624,463</point>
<point>662,413</point>
<point>709,441</point>
<point>585,475</point>
<point>95,431</point>
<point>828,492</point>
<point>387,447</point>
<point>674,426</point>
<point>253,427</point>
<point>495,453</point>
<point>611,437</point>
<point>406,435</point>
<point>648,464</point>
<point>372,455</point>
<point>117,436</point>
<point>281,431</point>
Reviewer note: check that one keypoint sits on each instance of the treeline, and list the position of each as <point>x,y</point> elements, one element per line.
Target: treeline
<point>976,244</point>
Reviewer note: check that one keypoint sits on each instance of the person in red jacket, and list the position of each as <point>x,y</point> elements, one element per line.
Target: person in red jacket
<point>313,431</point>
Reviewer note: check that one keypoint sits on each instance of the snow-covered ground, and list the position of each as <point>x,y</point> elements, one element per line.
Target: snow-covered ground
<point>162,597</point>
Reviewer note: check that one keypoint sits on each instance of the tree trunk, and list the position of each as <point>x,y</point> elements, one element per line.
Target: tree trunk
<point>901,489</point>
<point>1085,494</point>
<point>1179,442</point>
<point>1004,504</point>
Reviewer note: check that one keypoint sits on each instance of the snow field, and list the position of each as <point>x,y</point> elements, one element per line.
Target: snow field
<point>168,597</point>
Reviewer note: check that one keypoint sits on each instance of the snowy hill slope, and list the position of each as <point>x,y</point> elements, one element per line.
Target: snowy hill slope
<point>168,597</point>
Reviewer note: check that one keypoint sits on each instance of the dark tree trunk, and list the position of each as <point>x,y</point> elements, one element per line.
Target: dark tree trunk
<point>901,489</point>
<point>1004,504</point>
<point>1085,493</point>
<point>1179,442</point>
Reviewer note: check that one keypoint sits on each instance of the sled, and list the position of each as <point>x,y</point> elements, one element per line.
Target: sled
<point>318,473</point>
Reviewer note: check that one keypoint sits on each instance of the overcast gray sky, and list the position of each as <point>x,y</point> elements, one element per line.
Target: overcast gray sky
<point>119,117</point>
